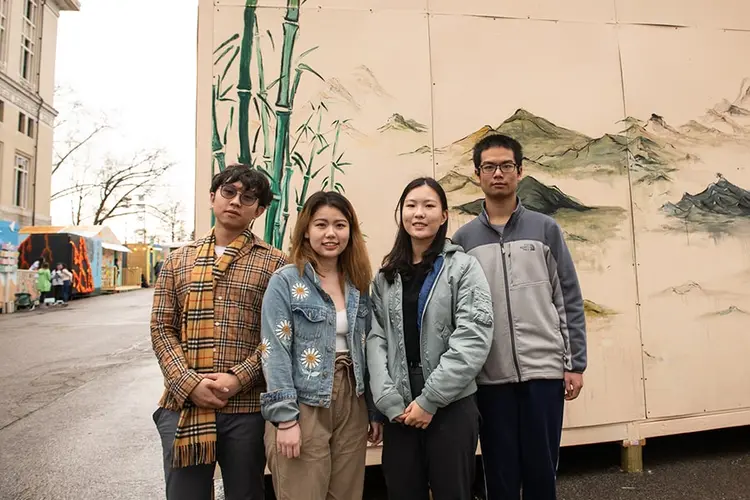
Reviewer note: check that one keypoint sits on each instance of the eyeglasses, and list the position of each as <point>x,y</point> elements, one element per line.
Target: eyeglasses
<point>490,168</point>
<point>228,191</point>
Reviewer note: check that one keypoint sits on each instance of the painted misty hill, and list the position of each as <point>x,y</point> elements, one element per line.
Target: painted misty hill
<point>533,194</point>
<point>559,151</point>
<point>721,199</point>
<point>398,122</point>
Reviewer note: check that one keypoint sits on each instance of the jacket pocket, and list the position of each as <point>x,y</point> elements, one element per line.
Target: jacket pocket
<point>481,307</point>
<point>309,321</point>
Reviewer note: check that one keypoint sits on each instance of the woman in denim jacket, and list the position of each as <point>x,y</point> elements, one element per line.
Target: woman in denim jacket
<point>430,336</point>
<point>315,319</point>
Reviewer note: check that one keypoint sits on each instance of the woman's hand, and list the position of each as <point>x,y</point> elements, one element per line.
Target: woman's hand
<point>416,416</point>
<point>289,439</point>
<point>375,435</point>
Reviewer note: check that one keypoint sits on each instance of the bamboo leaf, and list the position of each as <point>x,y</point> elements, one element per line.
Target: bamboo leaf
<point>340,187</point>
<point>299,160</point>
<point>255,103</point>
<point>323,148</point>
<point>313,176</point>
<point>255,139</point>
<point>339,169</point>
<point>270,36</point>
<point>227,42</point>
<point>339,158</point>
<point>296,196</point>
<point>343,164</point>
<point>227,99</point>
<point>231,116</point>
<point>265,103</point>
<point>231,60</point>
<point>226,90</point>
<point>273,83</point>
<point>305,67</point>
<point>307,52</point>
<point>226,51</point>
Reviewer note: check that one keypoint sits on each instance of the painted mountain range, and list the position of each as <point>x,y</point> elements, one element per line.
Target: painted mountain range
<point>533,194</point>
<point>720,198</point>
<point>559,151</point>
<point>398,122</point>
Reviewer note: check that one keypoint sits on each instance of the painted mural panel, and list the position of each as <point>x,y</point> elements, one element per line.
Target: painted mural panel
<point>360,118</point>
<point>726,14</point>
<point>69,249</point>
<point>552,10</point>
<point>575,168</point>
<point>687,92</point>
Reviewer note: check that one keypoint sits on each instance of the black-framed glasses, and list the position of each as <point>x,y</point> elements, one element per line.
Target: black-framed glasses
<point>490,168</point>
<point>228,191</point>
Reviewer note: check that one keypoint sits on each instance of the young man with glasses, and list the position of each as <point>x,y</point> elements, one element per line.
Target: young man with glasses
<point>538,354</point>
<point>205,330</point>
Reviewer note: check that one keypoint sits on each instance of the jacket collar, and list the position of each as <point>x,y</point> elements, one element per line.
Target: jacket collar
<point>517,212</point>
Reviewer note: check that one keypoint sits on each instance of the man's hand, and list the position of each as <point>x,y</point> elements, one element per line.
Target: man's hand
<point>204,394</point>
<point>416,416</point>
<point>289,439</point>
<point>573,385</point>
<point>375,434</point>
<point>228,381</point>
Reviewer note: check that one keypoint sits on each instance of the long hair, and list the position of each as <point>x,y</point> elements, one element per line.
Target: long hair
<point>399,260</point>
<point>354,261</point>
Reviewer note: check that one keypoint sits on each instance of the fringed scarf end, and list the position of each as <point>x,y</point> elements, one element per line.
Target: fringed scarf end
<point>194,454</point>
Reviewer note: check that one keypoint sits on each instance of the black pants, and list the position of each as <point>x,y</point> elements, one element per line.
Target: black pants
<point>240,452</point>
<point>520,435</point>
<point>440,458</point>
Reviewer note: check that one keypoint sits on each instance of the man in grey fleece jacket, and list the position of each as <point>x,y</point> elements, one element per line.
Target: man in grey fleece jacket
<point>538,354</point>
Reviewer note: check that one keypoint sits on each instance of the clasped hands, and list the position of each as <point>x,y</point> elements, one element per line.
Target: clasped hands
<point>215,389</point>
<point>415,416</point>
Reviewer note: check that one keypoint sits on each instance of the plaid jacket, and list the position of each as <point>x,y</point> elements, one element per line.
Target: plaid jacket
<point>237,303</point>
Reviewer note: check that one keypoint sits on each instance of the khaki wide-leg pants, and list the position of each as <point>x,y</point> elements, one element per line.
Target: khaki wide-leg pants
<point>331,465</point>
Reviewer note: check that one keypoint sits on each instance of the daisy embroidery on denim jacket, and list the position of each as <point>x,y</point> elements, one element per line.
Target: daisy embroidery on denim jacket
<point>284,330</point>
<point>264,348</point>
<point>310,360</point>
<point>300,291</point>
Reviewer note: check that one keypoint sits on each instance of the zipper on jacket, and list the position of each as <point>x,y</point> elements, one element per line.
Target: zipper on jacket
<point>421,321</point>
<point>510,315</point>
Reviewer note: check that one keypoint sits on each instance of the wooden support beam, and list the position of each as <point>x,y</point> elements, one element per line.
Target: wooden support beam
<point>632,456</point>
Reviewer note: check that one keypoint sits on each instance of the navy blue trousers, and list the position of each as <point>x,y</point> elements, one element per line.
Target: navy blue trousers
<point>520,437</point>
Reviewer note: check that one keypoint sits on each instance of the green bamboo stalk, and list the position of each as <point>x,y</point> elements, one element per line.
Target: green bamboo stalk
<point>308,171</point>
<point>283,113</point>
<point>244,84</point>
<point>332,175</point>
<point>263,94</point>
<point>217,148</point>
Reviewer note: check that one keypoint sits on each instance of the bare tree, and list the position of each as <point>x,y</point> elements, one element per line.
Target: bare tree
<point>171,217</point>
<point>116,182</point>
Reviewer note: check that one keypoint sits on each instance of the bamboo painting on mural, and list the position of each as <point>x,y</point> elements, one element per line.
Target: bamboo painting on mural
<point>642,163</point>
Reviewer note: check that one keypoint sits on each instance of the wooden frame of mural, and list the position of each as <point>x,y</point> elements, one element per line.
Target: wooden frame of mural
<point>644,162</point>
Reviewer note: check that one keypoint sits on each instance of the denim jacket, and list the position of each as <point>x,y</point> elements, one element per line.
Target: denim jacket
<point>454,320</point>
<point>298,342</point>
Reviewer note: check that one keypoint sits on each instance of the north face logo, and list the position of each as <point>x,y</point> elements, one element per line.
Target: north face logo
<point>528,247</point>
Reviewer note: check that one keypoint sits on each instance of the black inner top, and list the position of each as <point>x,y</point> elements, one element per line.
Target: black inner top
<point>412,283</point>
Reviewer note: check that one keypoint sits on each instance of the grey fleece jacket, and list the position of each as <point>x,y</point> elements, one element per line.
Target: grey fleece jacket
<point>540,327</point>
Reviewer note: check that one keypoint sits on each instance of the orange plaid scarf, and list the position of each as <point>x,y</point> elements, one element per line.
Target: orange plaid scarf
<point>195,438</point>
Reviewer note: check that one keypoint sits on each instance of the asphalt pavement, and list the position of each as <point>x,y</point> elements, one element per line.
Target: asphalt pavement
<point>79,385</point>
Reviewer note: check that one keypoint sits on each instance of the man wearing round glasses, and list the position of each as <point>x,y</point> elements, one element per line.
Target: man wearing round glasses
<point>205,330</point>
<point>538,353</point>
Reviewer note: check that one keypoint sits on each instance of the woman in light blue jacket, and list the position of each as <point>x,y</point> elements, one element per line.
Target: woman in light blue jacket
<point>314,322</point>
<point>431,334</point>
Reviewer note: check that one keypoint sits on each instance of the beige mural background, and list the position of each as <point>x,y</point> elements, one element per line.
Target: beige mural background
<point>622,107</point>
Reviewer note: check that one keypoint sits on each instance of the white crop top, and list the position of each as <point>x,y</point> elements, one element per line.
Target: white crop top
<point>342,329</point>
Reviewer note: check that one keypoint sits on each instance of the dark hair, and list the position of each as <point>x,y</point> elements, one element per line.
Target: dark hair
<point>252,179</point>
<point>497,141</point>
<point>354,261</point>
<point>399,260</point>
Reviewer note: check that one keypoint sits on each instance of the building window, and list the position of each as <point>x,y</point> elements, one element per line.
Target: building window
<point>4,10</point>
<point>21,181</point>
<point>28,39</point>
<point>21,122</point>
<point>30,127</point>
